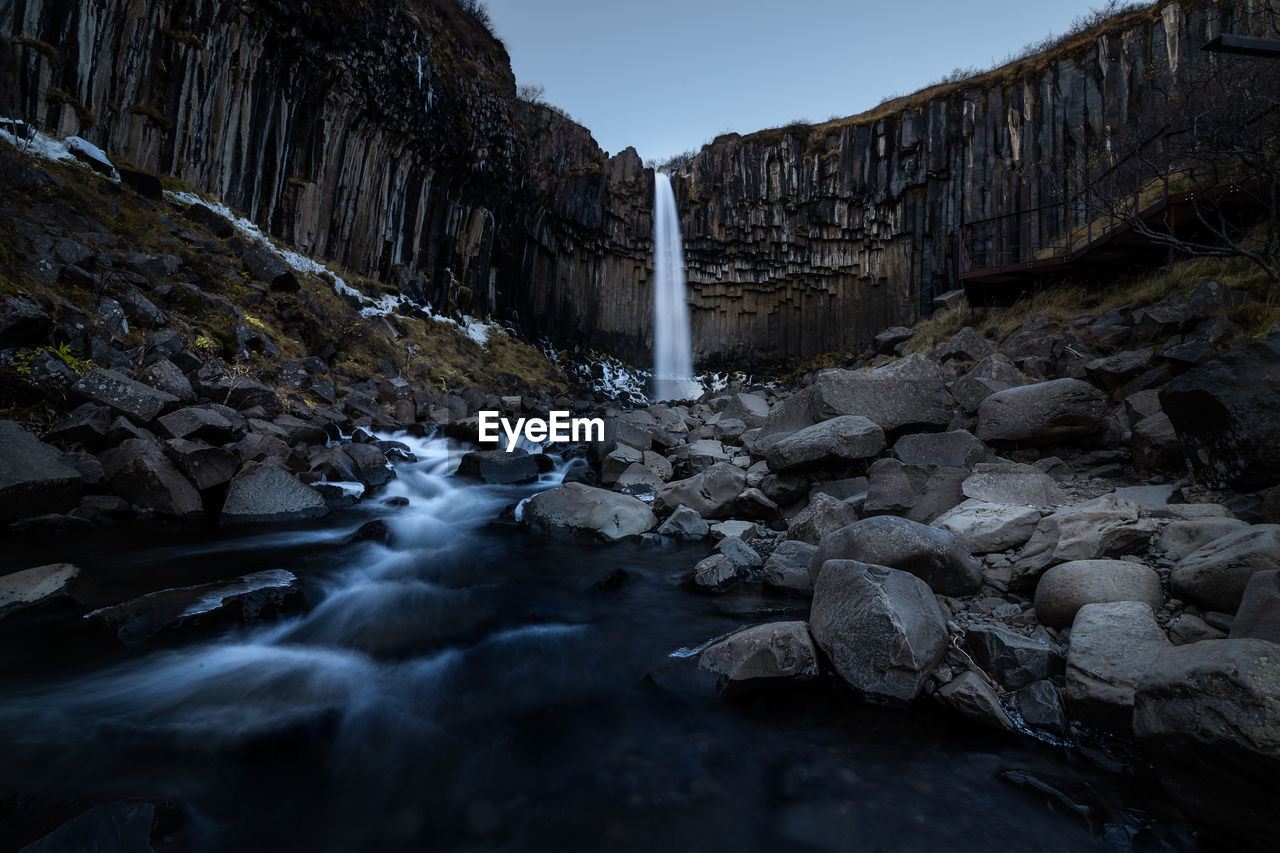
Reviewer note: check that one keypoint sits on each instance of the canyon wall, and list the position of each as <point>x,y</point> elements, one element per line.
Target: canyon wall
<point>386,136</point>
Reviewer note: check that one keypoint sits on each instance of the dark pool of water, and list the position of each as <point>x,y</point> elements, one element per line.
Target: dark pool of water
<point>471,687</point>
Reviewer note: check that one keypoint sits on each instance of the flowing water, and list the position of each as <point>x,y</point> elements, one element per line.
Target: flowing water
<point>672,346</point>
<point>469,686</point>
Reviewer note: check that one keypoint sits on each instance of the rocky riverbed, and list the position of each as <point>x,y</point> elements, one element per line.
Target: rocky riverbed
<point>253,549</point>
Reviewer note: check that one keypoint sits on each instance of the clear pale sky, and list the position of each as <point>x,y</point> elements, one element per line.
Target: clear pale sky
<point>666,76</point>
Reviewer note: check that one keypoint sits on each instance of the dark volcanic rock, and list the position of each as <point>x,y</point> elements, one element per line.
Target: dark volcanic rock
<point>841,440</point>
<point>905,396</point>
<point>38,587</point>
<point>267,492</point>
<point>926,552</point>
<point>1227,414</point>
<point>499,466</point>
<point>140,403</point>
<point>1045,413</point>
<point>33,477</point>
<point>575,507</point>
<point>139,472</point>
<point>245,599</point>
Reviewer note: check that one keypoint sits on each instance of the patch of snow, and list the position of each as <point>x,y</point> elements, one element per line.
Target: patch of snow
<point>27,139</point>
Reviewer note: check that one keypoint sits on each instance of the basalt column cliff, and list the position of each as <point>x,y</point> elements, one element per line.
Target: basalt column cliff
<point>387,137</point>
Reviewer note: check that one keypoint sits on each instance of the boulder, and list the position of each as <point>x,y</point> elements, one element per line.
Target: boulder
<point>164,375</point>
<point>933,555</point>
<point>1052,412</point>
<point>1189,628</point>
<point>1066,588</point>
<point>881,628</point>
<point>245,599</point>
<point>823,515</point>
<point>638,480</point>
<point>712,493</point>
<point>993,373</point>
<point>34,479</point>
<point>1115,370</point>
<point>22,323</point>
<point>918,492</point>
<point>715,573</point>
<point>211,423</point>
<point>266,265</point>
<point>762,654</point>
<point>1180,537</point>
<point>1012,659</point>
<point>684,524</point>
<point>1103,527</point>
<point>887,341</point>
<point>1226,413</point>
<point>1259,613</point>
<point>905,396</point>
<point>788,566</point>
<point>267,492</point>
<point>742,555</point>
<point>579,508</point>
<point>1215,575</point>
<point>205,466</point>
<point>87,425</point>
<point>966,344</point>
<point>1040,707</point>
<point>498,467</point>
<point>751,409</point>
<point>1155,445</point>
<point>755,504</point>
<point>1112,645</point>
<point>139,472</point>
<point>984,528</point>
<point>839,441</point>
<point>1011,483</point>
<point>1208,715</point>
<point>736,528</point>
<point>139,403</point>
<point>957,448</point>
<point>972,697</point>
<point>33,588</point>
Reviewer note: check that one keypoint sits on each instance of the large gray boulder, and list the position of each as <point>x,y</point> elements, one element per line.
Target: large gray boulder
<point>985,528</point>
<point>882,629</point>
<point>31,588</point>
<point>1106,526</point>
<point>713,493</point>
<point>579,508</point>
<point>1052,412</point>
<point>685,524</point>
<point>957,448</point>
<point>1012,483</point>
<point>824,514</point>
<point>1208,715</point>
<point>839,441</point>
<point>498,467</point>
<point>1013,659</point>
<point>751,409</point>
<point>1112,645</point>
<point>1259,613</point>
<point>139,403</point>
<point>139,472</point>
<point>994,373</point>
<point>1227,415</point>
<point>972,697</point>
<point>1214,575</point>
<point>1180,537</point>
<point>787,568</point>
<point>934,556</point>
<point>267,492</point>
<point>33,477</point>
<point>762,654</point>
<point>1066,588</point>
<point>905,396</point>
<point>918,492</point>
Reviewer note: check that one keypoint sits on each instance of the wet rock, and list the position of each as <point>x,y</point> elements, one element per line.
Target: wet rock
<point>715,573</point>
<point>788,566</point>
<point>1012,483</point>
<point>1112,645</point>
<point>933,555</point>
<point>139,472</point>
<point>498,467</point>
<point>905,396</point>
<point>1066,588</point>
<point>1053,412</point>
<point>246,599</point>
<point>371,466</point>
<point>824,514</point>
<point>918,492</point>
<point>1259,613</point>
<point>34,479</point>
<point>991,374</point>
<point>881,628</point>
<point>985,528</point>
<point>1227,415</point>
<point>972,697</point>
<point>954,449</point>
<point>269,493</point>
<point>1014,660</point>
<point>762,655</point>
<point>38,587</point>
<point>1040,707</point>
<point>1208,714</point>
<point>684,524</point>
<point>712,494</point>
<point>579,508</point>
<point>1215,575</point>
<point>140,403</point>
<point>839,441</point>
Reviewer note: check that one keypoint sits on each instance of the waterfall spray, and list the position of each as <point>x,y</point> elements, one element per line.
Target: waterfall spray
<point>672,349</point>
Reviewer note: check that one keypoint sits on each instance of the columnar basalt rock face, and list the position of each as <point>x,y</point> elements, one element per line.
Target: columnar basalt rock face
<point>387,137</point>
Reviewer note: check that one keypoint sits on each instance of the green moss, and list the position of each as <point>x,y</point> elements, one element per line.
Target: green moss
<point>49,52</point>
<point>162,121</point>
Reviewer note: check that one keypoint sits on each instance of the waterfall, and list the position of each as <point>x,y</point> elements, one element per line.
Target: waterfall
<point>672,349</point>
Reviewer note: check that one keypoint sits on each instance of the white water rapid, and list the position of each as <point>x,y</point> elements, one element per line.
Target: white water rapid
<point>672,347</point>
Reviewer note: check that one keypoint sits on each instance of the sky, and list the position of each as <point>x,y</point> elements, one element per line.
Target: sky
<point>666,76</point>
